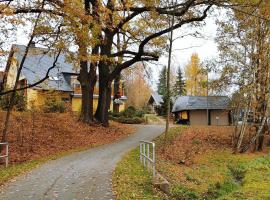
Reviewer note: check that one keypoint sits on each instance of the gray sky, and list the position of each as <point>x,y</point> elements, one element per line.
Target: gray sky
<point>183,48</point>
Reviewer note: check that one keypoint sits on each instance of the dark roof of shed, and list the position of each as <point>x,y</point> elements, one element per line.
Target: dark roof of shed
<point>200,103</point>
<point>158,100</point>
<point>36,65</point>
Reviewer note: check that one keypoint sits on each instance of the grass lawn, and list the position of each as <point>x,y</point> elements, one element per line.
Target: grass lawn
<point>154,119</point>
<point>131,181</point>
<point>199,164</point>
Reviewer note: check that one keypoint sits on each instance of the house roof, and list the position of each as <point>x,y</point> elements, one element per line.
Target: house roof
<point>158,100</point>
<point>200,103</point>
<point>38,62</point>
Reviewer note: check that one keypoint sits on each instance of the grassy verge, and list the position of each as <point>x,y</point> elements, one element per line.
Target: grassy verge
<point>131,181</point>
<point>153,119</point>
<point>217,174</point>
<point>214,174</point>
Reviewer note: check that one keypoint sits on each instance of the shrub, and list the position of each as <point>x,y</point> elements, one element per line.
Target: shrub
<point>129,112</point>
<point>19,101</point>
<point>179,192</point>
<point>52,106</point>
<point>129,116</point>
<point>132,120</point>
<point>238,172</point>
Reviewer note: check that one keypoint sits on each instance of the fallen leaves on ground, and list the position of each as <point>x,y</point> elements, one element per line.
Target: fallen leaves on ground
<point>36,135</point>
<point>195,140</point>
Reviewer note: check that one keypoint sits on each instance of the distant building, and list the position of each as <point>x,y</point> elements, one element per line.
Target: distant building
<point>61,84</point>
<point>192,110</point>
<point>155,101</point>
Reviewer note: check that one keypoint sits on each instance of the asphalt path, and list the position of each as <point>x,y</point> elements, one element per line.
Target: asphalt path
<point>80,176</point>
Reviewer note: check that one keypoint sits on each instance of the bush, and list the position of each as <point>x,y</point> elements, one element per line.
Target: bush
<point>129,112</point>
<point>53,106</point>
<point>129,116</point>
<point>19,101</point>
<point>238,172</point>
<point>179,192</point>
<point>132,120</point>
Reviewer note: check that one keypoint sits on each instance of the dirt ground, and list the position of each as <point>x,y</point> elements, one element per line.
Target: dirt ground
<point>33,136</point>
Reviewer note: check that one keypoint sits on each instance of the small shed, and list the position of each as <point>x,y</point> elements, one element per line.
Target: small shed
<point>155,101</point>
<point>202,110</point>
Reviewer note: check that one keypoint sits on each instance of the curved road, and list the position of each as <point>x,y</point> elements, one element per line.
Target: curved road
<point>80,176</point>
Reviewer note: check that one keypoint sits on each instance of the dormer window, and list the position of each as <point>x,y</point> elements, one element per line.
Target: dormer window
<point>54,78</point>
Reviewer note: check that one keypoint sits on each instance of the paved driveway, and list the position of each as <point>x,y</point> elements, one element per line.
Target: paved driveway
<point>83,175</point>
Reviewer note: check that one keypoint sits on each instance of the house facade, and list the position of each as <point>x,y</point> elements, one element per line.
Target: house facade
<point>202,110</point>
<point>62,83</point>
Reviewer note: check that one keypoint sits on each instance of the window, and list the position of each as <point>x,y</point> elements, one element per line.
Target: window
<point>54,78</point>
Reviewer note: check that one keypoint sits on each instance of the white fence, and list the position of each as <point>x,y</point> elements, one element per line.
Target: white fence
<point>147,155</point>
<point>6,156</point>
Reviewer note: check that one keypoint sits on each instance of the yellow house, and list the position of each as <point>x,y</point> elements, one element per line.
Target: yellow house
<point>62,83</point>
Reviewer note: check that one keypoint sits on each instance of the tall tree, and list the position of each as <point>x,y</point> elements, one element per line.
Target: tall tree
<point>162,85</point>
<point>137,88</point>
<point>244,54</point>
<point>195,77</point>
<point>179,87</point>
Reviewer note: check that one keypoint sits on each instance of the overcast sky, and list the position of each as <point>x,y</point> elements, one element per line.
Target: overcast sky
<point>183,48</point>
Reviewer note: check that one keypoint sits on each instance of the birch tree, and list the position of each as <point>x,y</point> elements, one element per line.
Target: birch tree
<point>244,52</point>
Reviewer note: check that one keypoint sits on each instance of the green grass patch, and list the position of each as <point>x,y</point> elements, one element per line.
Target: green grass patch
<point>15,170</point>
<point>217,174</point>
<point>154,119</point>
<point>222,175</point>
<point>132,181</point>
<point>180,192</point>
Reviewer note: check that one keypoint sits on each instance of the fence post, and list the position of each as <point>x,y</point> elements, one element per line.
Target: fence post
<point>154,160</point>
<point>144,154</point>
<point>7,155</point>
<point>141,152</point>
<point>148,155</point>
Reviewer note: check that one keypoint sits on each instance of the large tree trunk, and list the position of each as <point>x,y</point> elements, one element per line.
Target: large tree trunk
<point>87,77</point>
<point>102,112</point>
<point>116,88</point>
<point>86,115</point>
<point>105,80</point>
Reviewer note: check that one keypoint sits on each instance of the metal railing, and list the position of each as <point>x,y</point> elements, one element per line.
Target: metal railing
<point>6,156</point>
<point>147,155</point>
